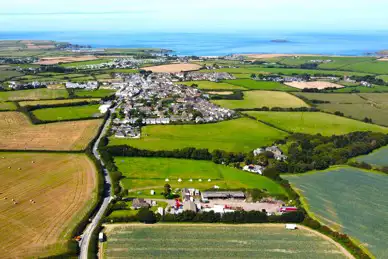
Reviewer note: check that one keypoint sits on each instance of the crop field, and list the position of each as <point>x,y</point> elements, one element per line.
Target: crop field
<point>208,85</point>
<point>100,93</point>
<point>68,113</point>
<point>141,172</point>
<point>7,106</point>
<point>34,94</point>
<point>314,123</point>
<point>67,59</point>
<point>54,102</point>
<point>18,133</point>
<point>216,241</point>
<point>358,106</point>
<point>349,200</point>
<point>314,85</point>
<point>258,99</point>
<point>377,158</point>
<point>240,135</point>
<point>260,85</point>
<point>62,188</point>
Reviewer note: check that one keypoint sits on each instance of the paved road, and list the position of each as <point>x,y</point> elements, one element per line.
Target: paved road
<point>86,236</point>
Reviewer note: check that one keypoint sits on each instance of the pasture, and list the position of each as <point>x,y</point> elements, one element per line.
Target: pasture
<point>18,133</point>
<point>357,106</point>
<point>259,99</point>
<point>216,241</point>
<point>68,113</point>
<point>349,200</point>
<point>33,94</point>
<point>55,102</point>
<point>314,123</point>
<point>100,93</point>
<point>260,85</point>
<point>62,188</point>
<point>208,85</point>
<point>142,172</point>
<point>376,158</point>
<point>240,135</point>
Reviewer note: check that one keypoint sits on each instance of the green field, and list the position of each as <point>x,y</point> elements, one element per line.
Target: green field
<point>7,106</point>
<point>314,123</point>
<point>259,99</point>
<point>261,85</point>
<point>377,158</point>
<point>100,93</point>
<point>240,135</point>
<point>85,63</point>
<point>384,77</point>
<point>67,113</point>
<point>357,106</point>
<point>51,102</point>
<point>349,200</point>
<point>141,172</point>
<point>215,241</point>
<point>208,85</point>
<point>34,94</point>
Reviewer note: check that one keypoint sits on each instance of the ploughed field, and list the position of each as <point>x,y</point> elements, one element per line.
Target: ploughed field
<point>68,113</point>
<point>314,123</point>
<point>18,133</point>
<point>240,135</point>
<point>61,187</point>
<point>259,99</point>
<point>216,241</point>
<point>351,201</point>
<point>142,172</point>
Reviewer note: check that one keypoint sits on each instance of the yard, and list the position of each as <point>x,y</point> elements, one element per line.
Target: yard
<point>259,99</point>
<point>68,113</point>
<point>240,135</point>
<point>351,201</point>
<point>61,187</point>
<point>141,172</point>
<point>314,123</point>
<point>216,241</point>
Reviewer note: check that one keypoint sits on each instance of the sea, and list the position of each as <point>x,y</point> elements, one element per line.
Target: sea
<point>217,44</point>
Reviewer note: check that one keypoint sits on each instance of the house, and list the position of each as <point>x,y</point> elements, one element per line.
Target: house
<point>254,169</point>
<point>189,206</point>
<point>222,195</point>
<point>139,203</point>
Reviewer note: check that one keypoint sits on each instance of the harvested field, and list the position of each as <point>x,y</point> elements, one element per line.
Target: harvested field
<point>240,135</point>
<point>259,99</point>
<point>383,59</point>
<point>51,102</point>
<point>61,187</point>
<point>217,241</point>
<point>172,68</point>
<point>220,93</point>
<point>314,85</point>
<point>18,133</point>
<point>350,200</point>
<point>56,60</point>
<point>33,94</point>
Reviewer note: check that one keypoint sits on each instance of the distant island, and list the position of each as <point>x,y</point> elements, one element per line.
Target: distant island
<point>280,41</point>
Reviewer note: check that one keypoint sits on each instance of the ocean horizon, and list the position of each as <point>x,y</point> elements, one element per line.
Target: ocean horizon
<point>217,44</point>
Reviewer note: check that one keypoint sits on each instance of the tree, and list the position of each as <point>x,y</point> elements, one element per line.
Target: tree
<point>146,216</point>
<point>167,190</point>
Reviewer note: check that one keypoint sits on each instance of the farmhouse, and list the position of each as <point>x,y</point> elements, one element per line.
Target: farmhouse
<point>222,195</point>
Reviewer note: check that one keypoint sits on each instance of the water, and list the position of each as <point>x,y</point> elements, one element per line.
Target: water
<point>222,44</point>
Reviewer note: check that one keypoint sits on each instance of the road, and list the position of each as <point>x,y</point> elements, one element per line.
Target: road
<point>86,236</point>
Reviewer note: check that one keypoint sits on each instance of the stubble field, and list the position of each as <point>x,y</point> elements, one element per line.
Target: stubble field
<point>61,187</point>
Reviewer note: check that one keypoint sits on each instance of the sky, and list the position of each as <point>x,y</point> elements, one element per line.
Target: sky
<point>193,16</point>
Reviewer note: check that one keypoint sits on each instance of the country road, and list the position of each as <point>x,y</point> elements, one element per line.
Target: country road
<point>86,236</point>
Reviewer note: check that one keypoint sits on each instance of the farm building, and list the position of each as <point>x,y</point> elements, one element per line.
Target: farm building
<point>139,203</point>
<point>189,206</point>
<point>222,195</point>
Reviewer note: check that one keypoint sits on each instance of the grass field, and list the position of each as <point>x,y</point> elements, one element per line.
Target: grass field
<point>358,106</point>
<point>240,135</point>
<point>258,99</point>
<point>314,123</point>
<point>94,94</point>
<point>261,85</point>
<point>18,133</point>
<point>51,102</point>
<point>68,113</point>
<point>141,172</point>
<point>208,85</point>
<point>349,200</point>
<point>384,77</point>
<point>377,158</point>
<point>7,106</point>
<point>34,94</point>
<point>62,186</point>
<point>216,241</point>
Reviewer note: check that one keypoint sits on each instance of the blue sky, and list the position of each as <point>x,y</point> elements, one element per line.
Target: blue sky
<point>193,15</point>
